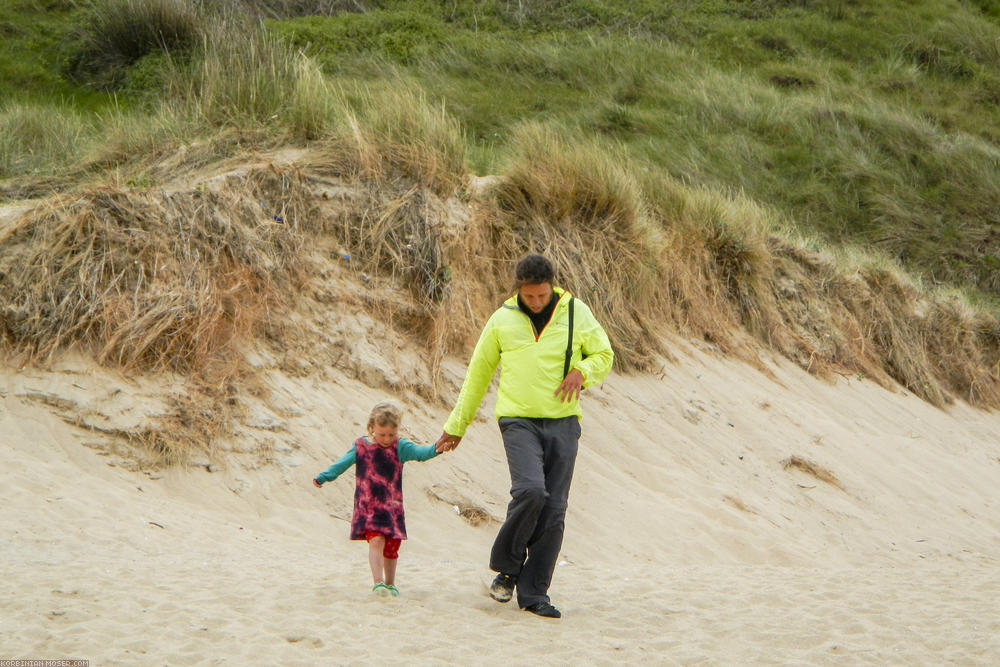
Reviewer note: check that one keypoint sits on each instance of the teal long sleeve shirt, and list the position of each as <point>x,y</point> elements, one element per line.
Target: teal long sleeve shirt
<point>407,450</point>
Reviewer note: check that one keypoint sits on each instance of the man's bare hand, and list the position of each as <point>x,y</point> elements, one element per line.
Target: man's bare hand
<point>446,443</point>
<point>569,389</point>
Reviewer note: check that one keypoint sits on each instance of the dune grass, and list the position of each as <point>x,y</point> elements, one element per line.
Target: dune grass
<point>152,281</point>
<point>700,167</point>
<point>34,136</point>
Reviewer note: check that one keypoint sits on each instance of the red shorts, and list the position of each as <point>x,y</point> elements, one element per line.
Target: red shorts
<point>391,548</point>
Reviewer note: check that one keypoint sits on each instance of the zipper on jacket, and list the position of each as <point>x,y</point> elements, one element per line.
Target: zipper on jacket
<point>551,317</point>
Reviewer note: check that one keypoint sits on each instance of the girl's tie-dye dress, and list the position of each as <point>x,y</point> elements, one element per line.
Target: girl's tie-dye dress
<point>378,497</point>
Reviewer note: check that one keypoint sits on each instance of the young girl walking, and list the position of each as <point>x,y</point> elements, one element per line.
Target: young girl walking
<point>378,497</point>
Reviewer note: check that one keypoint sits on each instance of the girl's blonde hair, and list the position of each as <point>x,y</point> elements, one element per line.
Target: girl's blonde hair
<point>385,414</point>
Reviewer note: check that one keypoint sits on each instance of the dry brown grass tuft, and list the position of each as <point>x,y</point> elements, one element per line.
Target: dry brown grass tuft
<point>715,264</point>
<point>169,281</point>
<point>738,504</point>
<point>473,513</point>
<point>812,469</point>
<point>897,333</point>
<point>964,349</point>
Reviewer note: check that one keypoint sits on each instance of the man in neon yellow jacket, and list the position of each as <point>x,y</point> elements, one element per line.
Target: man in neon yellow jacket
<point>542,371</point>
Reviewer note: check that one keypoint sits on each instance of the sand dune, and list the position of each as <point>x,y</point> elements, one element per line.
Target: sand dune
<point>718,516</point>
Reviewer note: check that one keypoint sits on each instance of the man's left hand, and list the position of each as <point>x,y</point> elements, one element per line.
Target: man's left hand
<point>569,389</point>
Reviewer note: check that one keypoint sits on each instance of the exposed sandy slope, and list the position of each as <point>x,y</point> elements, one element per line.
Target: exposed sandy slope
<point>687,540</point>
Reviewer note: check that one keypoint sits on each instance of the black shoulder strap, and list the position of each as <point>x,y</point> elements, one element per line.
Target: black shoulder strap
<point>569,344</point>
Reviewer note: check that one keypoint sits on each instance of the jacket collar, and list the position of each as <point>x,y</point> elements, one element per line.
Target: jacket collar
<point>559,291</point>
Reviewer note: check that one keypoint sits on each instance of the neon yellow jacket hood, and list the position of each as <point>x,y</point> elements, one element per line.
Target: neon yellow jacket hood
<point>531,369</point>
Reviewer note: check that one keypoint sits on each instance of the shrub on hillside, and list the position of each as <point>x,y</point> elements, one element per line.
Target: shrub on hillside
<point>117,33</point>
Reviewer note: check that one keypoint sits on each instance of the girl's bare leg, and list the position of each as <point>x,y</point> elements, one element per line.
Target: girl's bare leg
<point>376,560</point>
<point>390,570</point>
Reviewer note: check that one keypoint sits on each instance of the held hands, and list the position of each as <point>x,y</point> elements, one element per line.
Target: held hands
<point>569,389</point>
<point>446,443</point>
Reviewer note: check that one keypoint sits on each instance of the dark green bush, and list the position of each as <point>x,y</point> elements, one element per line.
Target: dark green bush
<point>117,33</point>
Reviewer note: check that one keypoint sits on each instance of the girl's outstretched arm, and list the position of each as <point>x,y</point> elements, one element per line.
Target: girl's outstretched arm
<point>334,471</point>
<point>411,451</point>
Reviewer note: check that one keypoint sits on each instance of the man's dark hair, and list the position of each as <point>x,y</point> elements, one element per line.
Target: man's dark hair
<point>534,270</point>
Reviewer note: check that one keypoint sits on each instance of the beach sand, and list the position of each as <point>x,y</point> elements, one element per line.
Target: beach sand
<point>719,515</point>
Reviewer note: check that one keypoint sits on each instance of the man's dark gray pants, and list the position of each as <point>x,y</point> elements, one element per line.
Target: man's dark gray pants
<point>541,454</point>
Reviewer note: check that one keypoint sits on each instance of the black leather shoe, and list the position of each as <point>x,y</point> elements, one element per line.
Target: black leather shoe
<point>544,609</point>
